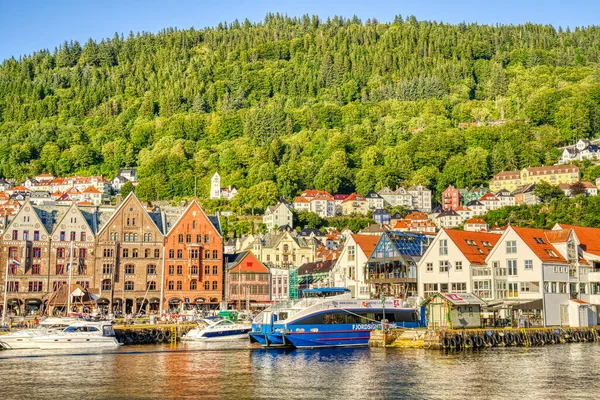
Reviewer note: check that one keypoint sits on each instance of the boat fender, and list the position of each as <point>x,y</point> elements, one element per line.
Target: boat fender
<point>469,342</point>
<point>167,333</point>
<point>446,342</point>
<point>458,339</point>
<point>508,338</point>
<point>487,340</point>
<point>160,337</point>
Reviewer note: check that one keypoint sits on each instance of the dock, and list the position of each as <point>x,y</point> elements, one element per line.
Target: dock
<point>151,333</point>
<point>481,338</point>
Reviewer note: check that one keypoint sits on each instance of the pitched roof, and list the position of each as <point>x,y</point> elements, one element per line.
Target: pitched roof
<point>476,221</point>
<point>539,243</point>
<point>589,238</point>
<point>354,197</point>
<point>301,199</point>
<point>488,197</point>
<point>316,267</point>
<point>91,189</point>
<point>417,215</point>
<point>474,245</point>
<point>366,243</point>
<point>246,262</point>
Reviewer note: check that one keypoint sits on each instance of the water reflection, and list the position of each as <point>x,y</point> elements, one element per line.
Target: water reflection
<point>215,371</point>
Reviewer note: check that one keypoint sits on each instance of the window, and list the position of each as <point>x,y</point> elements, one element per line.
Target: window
<point>444,287</point>
<point>171,253</point>
<point>73,236</point>
<point>106,284</point>
<point>429,267</point>
<point>107,269</point>
<point>84,284</point>
<point>193,284</point>
<point>134,253</point>
<point>351,253</point>
<point>188,238</point>
<point>25,235</point>
<point>194,270</point>
<point>147,237</point>
<point>513,289</point>
<point>525,287</point>
<point>459,287</point>
<point>60,269</point>
<point>108,253</point>
<point>171,285</point>
<point>135,237</point>
<point>215,285</point>
<point>171,270</point>
<point>147,253</point>
<point>511,266</point>
<point>511,247</point>
<point>538,240</point>
<point>207,270</point>
<point>207,254</point>
<point>179,270</point>
<point>443,247</point>
<point>36,235</point>
<point>180,238</point>
<point>194,254</point>
<point>113,236</point>
<point>82,236</point>
<point>150,285</point>
<point>125,253</point>
<point>179,253</point>
<point>35,286</point>
<point>57,284</point>
<point>35,269</point>
<point>207,285</point>
<point>562,287</point>
<point>151,269</point>
<point>15,234</point>
<point>215,254</point>
<point>37,252</point>
<point>179,285</point>
<point>129,286</point>
<point>215,270</point>
<point>198,238</point>
<point>12,287</point>
<point>82,253</point>
<point>12,252</point>
<point>528,264</point>
<point>444,266</point>
<point>130,269</point>
<point>430,288</point>
<point>156,253</point>
<point>206,239</point>
<point>194,224</point>
<point>458,265</point>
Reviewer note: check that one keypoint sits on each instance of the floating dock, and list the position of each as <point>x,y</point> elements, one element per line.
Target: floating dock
<point>464,339</point>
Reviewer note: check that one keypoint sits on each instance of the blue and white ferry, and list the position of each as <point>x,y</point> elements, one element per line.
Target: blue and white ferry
<point>330,317</point>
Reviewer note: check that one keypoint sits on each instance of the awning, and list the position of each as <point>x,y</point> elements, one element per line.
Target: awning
<point>102,301</point>
<point>155,300</point>
<point>33,302</point>
<point>174,300</point>
<point>531,305</point>
<point>14,301</point>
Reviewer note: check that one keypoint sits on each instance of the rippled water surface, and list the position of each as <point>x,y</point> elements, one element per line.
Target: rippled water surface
<point>218,371</point>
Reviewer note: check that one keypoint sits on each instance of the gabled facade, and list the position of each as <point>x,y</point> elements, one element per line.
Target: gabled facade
<point>350,268</point>
<point>194,261</point>
<point>278,215</point>
<point>421,198</point>
<point>284,249</point>
<point>248,281</point>
<point>396,198</point>
<point>375,200</point>
<point>26,240</point>
<point>454,262</point>
<point>355,204</point>
<point>130,251</point>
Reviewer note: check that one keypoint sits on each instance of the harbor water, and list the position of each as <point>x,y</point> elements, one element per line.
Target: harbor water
<point>243,371</point>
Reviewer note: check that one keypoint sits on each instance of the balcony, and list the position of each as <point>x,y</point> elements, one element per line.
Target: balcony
<point>594,299</point>
<point>594,276</point>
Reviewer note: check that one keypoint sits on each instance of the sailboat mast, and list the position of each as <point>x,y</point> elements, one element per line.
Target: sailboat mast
<point>70,277</point>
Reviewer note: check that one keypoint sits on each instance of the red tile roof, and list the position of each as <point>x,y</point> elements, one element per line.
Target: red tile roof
<point>589,238</point>
<point>488,197</point>
<point>91,189</point>
<point>366,243</point>
<point>474,245</point>
<point>476,221</point>
<point>417,215</point>
<point>354,197</point>
<point>301,199</point>
<point>539,243</point>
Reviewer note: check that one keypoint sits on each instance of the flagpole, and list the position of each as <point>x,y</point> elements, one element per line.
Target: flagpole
<point>5,291</point>
<point>70,277</point>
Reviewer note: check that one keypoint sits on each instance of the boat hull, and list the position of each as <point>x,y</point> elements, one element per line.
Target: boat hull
<point>335,338</point>
<point>217,336</point>
<point>76,343</point>
<point>14,343</point>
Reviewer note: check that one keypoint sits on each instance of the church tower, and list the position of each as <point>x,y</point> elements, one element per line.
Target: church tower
<point>215,187</point>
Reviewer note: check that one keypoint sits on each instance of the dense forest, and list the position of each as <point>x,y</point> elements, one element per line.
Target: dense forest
<point>292,103</point>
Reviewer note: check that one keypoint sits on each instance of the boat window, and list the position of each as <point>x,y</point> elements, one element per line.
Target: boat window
<point>339,318</point>
<point>74,329</point>
<point>92,329</point>
<point>353,319</point>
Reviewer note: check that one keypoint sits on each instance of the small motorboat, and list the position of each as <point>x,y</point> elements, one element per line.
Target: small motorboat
<point>22,339</point>
<point>218,330</point>
<point>80,335</point>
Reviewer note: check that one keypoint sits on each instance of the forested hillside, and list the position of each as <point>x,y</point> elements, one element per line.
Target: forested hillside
<point>289,104</point>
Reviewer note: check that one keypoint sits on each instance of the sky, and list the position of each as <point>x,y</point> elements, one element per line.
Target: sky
<point>30,25</point>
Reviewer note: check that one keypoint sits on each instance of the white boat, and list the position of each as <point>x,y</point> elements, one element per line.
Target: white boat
<point>80,335</point>
<point>22,339</point>
<point>218,330</point>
